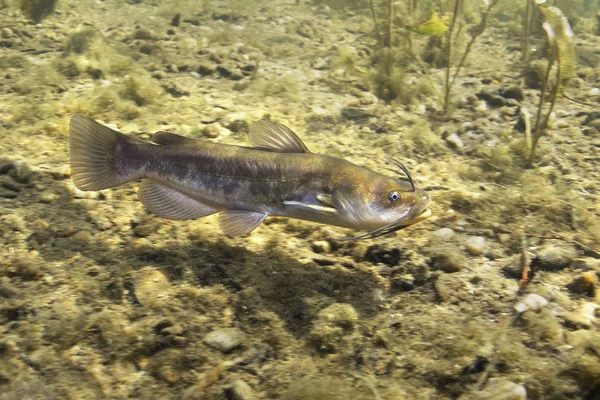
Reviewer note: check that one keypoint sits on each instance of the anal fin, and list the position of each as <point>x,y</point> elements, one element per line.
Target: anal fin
<point>171,204</point>
<point>237,223</point>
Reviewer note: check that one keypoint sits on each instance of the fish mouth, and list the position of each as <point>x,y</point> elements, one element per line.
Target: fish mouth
<point>392,227</point>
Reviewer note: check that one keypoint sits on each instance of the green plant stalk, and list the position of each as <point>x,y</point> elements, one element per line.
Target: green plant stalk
<point>475,33</point>
<point>457,7</point>
<point>541,127</point>
<point>375,21</point>
<point>527,31</point>
<point>390,22</point>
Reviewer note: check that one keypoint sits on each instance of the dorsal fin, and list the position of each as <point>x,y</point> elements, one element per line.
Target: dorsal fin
<point>164,138</point>
<point>273,136</point>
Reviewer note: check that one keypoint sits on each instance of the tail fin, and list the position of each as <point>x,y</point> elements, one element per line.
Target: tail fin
<point>93,154</point>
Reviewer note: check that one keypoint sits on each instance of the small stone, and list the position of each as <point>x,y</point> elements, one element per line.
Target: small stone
<point>82,238</point>
<point>584,284</point>
<point>574,320</point>
<point>211,131</point>
<point>531,302</point>
<point>455,141</point>
<point>150,286</point>
<point>48,197</point>
<point>332,325</point>
<point>223,71</point>
<point>497,390</point>
<point>143,34</point>
<point>448,259</point>
<point>225,339</point>
<point>240,390</point>
<point>21,171</point>
<point>355,113</point>
<point>320,64</point>
<point>321,246</point>
<point>7,33</point>
<point>475,245</point>
<point>513,92</point>
<point>159,74</point>
<point>554,257</point>
<point>444,234</point>
<point>206,69</point>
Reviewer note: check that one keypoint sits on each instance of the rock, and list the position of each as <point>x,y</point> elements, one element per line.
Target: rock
<point>143,34</point>
<point>321,246</point>
<point>554,257</point>
<point>497,389</point>
<point>151,286</point>
<point>448,259</point>
<point>175,90</point>
<point>5,167</point>
<point>531,302</point>
<point>584,284</point>
<point>355,113</point>
<point>513,92</point>
<point>224,339</point>
<point>451,289</point>
<point>7,33</point>
<point>378,253</point>
<point>224,72</point>
<point>491,97</point>
<point>306,29</point>
<point>333,326</point>
<point>240,390</point>
<point>48,197</point>
<point>211,131</point>
<point>455,141</point>
<point>21,172</point>
<point>475,245</point>
<point>320,64</point>
<point>444,234</point>
<point>206,69</point>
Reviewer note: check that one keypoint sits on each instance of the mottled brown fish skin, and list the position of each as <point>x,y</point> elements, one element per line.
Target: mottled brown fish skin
<point>301,184</point>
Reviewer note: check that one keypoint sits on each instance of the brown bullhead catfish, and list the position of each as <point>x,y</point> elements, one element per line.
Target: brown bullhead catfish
<point>184,179</point>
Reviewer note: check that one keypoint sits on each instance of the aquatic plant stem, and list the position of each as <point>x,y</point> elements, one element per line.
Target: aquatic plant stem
<point>527,31</point>
<point>540,127</point>
<point>390,22</point>
<point>375,21</point>
<point>457,7</point>
<point>475,33</point>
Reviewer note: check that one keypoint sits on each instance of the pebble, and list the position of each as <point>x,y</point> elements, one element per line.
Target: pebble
<point>48,197</point>
<point>448,260</point>
<point>151,286</point>
<point>513,92</point>
<point>531,302</point>
<point>21,171</point>
<point>224,339</point>
<point>354,113</point>
<point>211,131</point>
<point>498,390</point>
<point>585,284</point>
<point>321,246</point>
<point>240,390</point>
<point>554,257</point>
<point>444,234</point>
<point>7,33</point>
<point>455,141</point>
<point>475,245</point>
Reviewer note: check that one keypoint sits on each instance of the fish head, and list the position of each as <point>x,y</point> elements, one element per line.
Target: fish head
<point>382,204</point>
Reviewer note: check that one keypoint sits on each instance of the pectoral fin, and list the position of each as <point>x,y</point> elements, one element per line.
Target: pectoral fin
<point>169,203</point>
<point>324,209</point>
<point>237,223</point>
<point>273,136</point>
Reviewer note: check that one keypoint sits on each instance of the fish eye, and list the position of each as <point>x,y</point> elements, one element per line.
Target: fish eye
<point>394,196</point>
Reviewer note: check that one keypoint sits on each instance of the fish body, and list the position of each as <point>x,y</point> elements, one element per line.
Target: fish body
<point>183,178</point>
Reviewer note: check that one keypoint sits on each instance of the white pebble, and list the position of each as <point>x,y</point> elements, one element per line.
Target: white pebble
<point>444,234</point>
<point>594,91</point>
<point>475,245</point>
<point>531,302</point>
<point>455,141</point>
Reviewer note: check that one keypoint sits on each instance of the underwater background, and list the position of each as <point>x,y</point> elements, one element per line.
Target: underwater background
<point>494,107</point>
